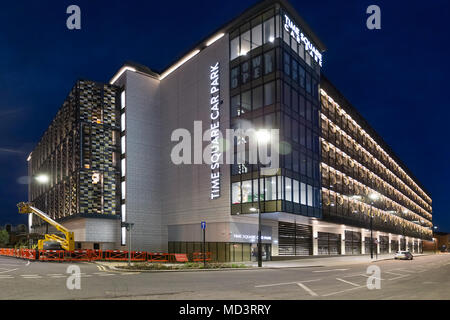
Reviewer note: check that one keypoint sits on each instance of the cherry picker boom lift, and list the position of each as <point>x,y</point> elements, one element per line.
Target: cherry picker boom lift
<point>67,243</point>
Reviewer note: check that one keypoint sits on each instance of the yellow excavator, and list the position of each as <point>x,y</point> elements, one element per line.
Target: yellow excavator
<point>51,241</point>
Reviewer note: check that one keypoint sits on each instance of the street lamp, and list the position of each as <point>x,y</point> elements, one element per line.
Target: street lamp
<point>262,136</point>
<point>42,178</point>
<point>128,226</point>
<point>373,197</point>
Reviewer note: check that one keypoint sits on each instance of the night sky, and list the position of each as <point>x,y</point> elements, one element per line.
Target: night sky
<point>396,77</point>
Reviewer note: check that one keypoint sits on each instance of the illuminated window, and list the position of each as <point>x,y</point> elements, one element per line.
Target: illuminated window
<point>123,144</point>
<point>122,99</point>
<point>123,164</point>
<point>122,122</point>
<point>123,190</point>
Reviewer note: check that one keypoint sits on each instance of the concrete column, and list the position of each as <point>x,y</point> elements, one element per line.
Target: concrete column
<point>315,240</point>
<point>378,243</point>
<point>363,244</point>
<point>343,242</point>
<point>390,239</point>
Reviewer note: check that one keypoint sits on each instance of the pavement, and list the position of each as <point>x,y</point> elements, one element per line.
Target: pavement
<point>425,277</point>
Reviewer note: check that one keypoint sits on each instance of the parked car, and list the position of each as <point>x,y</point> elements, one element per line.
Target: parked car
<point>403,255</point>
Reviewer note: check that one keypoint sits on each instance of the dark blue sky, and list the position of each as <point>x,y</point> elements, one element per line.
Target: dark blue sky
<point>395,76</point>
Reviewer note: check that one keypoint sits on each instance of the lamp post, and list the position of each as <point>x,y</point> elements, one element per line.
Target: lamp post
<point>129,226</point>
<point>373,197</point>
<point>262,136</point>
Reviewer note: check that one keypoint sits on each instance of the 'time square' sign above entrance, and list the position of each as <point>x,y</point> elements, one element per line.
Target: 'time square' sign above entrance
<point>294,30</point>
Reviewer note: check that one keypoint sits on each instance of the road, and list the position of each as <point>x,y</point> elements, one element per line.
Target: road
<point>426,277</point>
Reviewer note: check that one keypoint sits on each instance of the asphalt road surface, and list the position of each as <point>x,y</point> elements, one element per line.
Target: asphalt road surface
<point>425,277</point>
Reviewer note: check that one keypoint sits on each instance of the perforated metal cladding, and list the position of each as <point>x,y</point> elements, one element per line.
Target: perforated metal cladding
<point>76,152</point>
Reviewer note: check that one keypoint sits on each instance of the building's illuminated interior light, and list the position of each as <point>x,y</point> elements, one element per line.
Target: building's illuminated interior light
<point>214,39</point>
<point>271,39</point>
<point>29,157</point>
<point>121,71</point>
<point>179,64</point>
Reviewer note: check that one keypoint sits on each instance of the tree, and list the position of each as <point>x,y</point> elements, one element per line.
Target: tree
<point>4,237</point>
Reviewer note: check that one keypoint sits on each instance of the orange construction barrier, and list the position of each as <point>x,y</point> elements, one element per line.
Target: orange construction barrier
<point>51,255</point>
<point>158,257</point>
<point>139,256</point>
<point>95,255</point>
<point>29,254</point>
<point>198,256</point>
<point>77,255</point>
<point>181,257</point>
<point>116,255</point>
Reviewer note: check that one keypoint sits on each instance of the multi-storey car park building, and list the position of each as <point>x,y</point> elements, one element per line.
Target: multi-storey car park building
<point>261,70</point>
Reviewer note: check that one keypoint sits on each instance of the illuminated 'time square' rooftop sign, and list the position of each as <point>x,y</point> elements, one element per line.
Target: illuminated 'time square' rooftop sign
<point>294,30</point>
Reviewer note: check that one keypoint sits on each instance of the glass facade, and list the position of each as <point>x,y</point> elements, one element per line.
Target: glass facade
<point>275,85</point>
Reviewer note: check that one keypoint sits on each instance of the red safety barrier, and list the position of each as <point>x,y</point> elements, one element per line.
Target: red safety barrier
<point>181,257</point>
<point>29,254</point>
<point>51,255</point>
<point>198,256</point>
<point>158,257</point>
<point>77,255</point>
<point>116,255</point>
<point>139,256</point>
<point>95,255</point>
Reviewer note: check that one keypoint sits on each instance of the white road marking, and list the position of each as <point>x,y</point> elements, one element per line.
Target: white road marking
<point>284,283</point>
<point>318,271</point>
<point>351,283</point>
<point>307,289</point>
<point>405,270</point>
<point>55,274</point>
<point>28,263</point>
<point>367,276</point>
<point>342,291</point>
<point>8,270</point>
<point>397,274</point>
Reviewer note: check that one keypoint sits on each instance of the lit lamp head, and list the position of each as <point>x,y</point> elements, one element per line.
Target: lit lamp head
<point>253,209</point>
<point>42,178</point>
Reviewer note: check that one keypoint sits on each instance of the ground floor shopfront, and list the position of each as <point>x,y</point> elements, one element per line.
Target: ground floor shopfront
<point>284,236</point>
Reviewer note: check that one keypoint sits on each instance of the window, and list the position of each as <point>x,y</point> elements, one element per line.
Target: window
<point>123,144</point>
<point>271,188</point>
<point>246,102</point>
<point>287,95</point>
<point>122,99</point>
<point>234,48</point>
<point>303,193</point>
<point>302,76</point>
<point>308,110</point>
<point>309,172</point>
<point>269,93</point>
<point>294,70</point>
<point>303,164</point>
<point>287,126</point>
<point>302,106</point>
<point>310,196</point>
<point>294,101</point>
<point>235,106</point>
<point>257,66</point>
<point>245,43</point>
<point>286,37</point>
<point>269,31</point>
<point>280,193</point>
<point>123,189</point>
<point>295,161</point>
<point>287,64</point>
<point>308,139</point>
<point>308,83</point>
<point>124,167</point>
<point>245,72</point>
<point>302,135</point>
<point>257,97</point>
<point>257,36</point>
<point>295,131</point>
<point>234,77</point>
<point>288,187</point>
<point>296,191</point>
<point>122,122</point>
<point>246,191</point>
<point>269,61</point>
<point>236,193</point>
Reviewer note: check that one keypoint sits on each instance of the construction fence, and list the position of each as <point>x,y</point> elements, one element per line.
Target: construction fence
<point>103,255</point>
